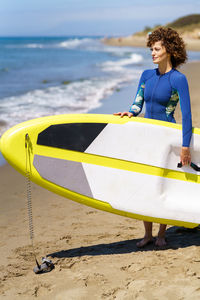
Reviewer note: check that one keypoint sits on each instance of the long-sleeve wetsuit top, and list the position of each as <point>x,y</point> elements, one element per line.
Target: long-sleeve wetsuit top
<point>161,93</point>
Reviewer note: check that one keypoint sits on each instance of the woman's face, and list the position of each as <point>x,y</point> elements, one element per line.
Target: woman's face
<point>159,53</point>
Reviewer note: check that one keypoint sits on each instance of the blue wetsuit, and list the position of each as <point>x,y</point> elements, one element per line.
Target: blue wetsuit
<point>161,93</point>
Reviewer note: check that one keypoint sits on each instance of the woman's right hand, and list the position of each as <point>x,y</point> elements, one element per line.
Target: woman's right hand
<point>122,114</point>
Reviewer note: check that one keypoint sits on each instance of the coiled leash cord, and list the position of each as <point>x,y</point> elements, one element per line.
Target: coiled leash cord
<point>47,265</point>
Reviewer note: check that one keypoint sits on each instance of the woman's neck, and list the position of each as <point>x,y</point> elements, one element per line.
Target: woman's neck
<point>164,67</point>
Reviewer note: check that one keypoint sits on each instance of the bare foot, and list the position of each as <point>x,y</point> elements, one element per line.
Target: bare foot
<point>145,241</point>
<point>160,242</point>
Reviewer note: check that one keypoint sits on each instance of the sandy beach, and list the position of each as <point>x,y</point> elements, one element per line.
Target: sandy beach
<point>192,44</point>
<point>94,252</point>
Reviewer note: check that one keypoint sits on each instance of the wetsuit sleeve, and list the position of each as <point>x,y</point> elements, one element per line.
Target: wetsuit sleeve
<point>137,105</point>
<point>182,88</point>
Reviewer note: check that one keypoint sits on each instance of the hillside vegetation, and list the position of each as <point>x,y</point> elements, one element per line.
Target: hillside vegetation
<point>186,21</point>
<point>188,26</point>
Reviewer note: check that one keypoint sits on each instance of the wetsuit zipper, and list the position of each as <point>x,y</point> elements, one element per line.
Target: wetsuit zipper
<point>154,93</point>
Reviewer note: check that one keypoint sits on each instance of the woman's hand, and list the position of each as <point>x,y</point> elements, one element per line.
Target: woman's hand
<point>125,113</point>
<point>185,156</point>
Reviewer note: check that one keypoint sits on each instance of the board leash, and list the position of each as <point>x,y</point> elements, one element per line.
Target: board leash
<point>47,264</point>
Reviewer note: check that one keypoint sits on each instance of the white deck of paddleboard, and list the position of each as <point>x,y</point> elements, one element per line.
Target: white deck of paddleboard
<point>144,143</point>
<point>134,192</point>
<point>142,193</point>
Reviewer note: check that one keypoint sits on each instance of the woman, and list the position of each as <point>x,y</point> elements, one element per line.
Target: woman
<point>161,89</point>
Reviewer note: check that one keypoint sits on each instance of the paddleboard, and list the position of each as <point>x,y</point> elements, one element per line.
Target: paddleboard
<point>126,166</point>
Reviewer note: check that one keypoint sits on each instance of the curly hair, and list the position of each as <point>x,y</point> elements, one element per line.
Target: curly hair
<point>173,43</point>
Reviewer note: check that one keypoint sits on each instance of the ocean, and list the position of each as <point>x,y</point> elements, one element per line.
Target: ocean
<point>54,75</point>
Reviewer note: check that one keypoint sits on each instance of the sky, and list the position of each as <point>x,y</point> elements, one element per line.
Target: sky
<point>88,17</point>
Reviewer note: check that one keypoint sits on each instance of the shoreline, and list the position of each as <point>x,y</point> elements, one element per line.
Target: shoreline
<point>122,99</point>
<point>140,41</point>
<point>94,252</point>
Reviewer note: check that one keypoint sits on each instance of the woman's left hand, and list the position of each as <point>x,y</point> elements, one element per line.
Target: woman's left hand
<point>185,156</point>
